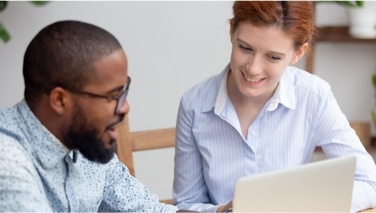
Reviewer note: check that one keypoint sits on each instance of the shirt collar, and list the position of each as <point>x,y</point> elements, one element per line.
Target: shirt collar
<point>285,92</point>
<point>222,96</point>
<point>46,147</point>
<point>216,96</point>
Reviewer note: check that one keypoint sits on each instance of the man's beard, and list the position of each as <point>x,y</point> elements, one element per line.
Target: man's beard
<point>84,137</point>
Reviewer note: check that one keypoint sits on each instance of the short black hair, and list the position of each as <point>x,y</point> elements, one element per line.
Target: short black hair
<point>62,54</point>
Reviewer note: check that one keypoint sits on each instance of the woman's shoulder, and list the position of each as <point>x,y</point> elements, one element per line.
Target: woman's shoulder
<point>303,80</point>
<point>206,87</point>
<point>202,96</point>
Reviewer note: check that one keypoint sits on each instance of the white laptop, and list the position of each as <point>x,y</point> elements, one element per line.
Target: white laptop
<point>322,186</point>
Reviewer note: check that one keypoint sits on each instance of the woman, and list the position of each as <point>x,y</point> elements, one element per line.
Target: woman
<point>261,114</point>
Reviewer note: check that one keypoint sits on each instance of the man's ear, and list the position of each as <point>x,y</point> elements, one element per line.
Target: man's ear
<point>299,53</point>
<point>59,99</point>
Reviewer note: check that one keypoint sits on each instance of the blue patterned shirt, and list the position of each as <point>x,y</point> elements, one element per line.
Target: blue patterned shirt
<point>38,173</point>
<point>211,154</point>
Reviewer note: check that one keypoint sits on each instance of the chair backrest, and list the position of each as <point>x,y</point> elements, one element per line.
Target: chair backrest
<point>129,142</point>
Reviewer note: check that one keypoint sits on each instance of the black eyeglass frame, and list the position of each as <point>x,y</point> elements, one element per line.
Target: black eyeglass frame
<point>120,99</point>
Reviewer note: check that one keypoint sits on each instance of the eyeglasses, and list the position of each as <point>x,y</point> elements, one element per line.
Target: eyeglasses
<point>119,98</point>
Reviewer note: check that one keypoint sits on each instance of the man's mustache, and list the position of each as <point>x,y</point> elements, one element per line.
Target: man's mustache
<point>119,122</point>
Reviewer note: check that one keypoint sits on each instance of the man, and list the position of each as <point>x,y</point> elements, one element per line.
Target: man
<point>57,145</point>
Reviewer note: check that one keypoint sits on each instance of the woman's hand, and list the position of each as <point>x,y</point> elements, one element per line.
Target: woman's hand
<point>225,208</point>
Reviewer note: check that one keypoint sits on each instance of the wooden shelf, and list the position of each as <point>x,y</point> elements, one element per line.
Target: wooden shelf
<point>339,34</point>
<point>335,34</point>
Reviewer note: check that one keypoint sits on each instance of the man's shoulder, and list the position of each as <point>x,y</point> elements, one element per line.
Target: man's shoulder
<point>18,175</point>
<point>9,118</point>
<point>10,131</point>
<point>15,160</point>
<point>10,147</point>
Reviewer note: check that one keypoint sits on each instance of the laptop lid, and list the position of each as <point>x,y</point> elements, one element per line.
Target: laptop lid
<point>322,186</point>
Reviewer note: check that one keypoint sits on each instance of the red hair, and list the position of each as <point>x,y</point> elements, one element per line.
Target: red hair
<point>295,18</point>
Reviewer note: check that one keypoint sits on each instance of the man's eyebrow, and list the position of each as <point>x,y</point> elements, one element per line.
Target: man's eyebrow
<point>117,89</point>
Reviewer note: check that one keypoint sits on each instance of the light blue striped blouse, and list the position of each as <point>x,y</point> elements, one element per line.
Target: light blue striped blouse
<point>211,153</point>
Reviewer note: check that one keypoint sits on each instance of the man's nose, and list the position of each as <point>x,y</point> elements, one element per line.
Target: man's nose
<point>124,109</point>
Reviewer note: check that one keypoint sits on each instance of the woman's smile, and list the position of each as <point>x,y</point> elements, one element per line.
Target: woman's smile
<point>252,81</point>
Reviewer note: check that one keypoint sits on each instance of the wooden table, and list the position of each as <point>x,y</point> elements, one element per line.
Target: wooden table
<point>369,210</point>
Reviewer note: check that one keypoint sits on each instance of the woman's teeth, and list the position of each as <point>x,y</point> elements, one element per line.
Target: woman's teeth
<point>253,79</point>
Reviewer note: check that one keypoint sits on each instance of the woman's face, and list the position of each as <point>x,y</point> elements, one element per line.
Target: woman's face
<point>259,58</point>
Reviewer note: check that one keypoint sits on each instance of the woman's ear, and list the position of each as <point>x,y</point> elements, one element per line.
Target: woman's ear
<point>59,99</point>
<point>299,53</point>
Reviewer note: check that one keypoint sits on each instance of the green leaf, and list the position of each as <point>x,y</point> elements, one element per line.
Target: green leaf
<point>359,3</point>
<point>346,3</point>
<point>374,80</point>
<point>350,3</point>
<point>374,116</point>
<point>4,35</point>
<point>39,3</point>
<point>3,5</point>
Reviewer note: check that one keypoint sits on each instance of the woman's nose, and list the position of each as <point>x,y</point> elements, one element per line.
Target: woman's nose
<point>254,65</point>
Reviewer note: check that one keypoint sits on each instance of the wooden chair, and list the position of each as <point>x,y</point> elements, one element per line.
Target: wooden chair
<point>129,142</point>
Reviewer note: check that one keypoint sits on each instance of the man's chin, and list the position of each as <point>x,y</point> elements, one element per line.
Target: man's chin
<point>103,156</point>
<point>108,159</point>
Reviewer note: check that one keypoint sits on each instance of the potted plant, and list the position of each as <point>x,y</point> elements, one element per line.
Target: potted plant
<point>362,20</point>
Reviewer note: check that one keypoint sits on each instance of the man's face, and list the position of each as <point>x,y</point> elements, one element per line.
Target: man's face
<point>93,121</point>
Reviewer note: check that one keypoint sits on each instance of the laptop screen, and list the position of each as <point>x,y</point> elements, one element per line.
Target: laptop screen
<point>315,187</point>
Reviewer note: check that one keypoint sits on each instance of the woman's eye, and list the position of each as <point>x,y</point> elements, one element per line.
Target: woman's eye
<point>245,48</point>
<point>275,58</point>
